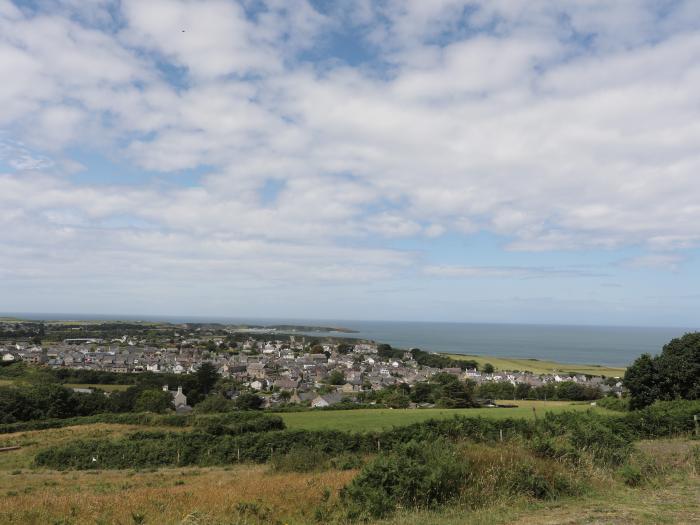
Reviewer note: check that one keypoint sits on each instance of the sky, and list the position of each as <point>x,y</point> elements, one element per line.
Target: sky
<point>524,161</point>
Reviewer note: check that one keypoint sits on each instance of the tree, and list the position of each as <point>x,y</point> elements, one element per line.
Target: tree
<point>488,368</point>
<point>642,382</point>
<point>397,399</point>
<point>422,393</point>
<point>248,401</point>
<point>522,390</point>
<point>451,392</point>
<point>214,403</point>
<point>285,395</point>
<point>344,348</point>
<point>678,367</point>
<point>336,377</point>
<point>153,401</point>
<point>385,351</point>
<point>207,376</point>
<point>675,373</point>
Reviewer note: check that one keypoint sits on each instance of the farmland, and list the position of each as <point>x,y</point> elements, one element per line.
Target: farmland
<point>363,420</point>
<point>537,366</point>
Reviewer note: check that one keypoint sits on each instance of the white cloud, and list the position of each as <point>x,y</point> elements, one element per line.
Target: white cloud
<point>506,272</point>
<point>663,261</point>
<point>512,126</point>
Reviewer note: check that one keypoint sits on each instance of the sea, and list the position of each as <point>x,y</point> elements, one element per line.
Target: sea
<point>602,345</point>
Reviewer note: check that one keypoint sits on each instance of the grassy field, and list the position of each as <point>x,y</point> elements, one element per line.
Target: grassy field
<point>106,388</point>
<point>540,367</point>
<point>254,494</point>
<point>364,420</point>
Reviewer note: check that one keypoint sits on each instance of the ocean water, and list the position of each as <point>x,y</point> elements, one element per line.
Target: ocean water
<point>604,345</point>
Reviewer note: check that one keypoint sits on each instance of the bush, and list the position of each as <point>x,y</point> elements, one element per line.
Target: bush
<point>215,404</point>
<point>414,475</point>
<point>536,481</point>
<point>614,403</point>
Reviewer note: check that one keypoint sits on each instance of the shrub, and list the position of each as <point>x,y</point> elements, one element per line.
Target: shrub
<point>527,480</point>
<point>614,403</point>
<point>414,475</point>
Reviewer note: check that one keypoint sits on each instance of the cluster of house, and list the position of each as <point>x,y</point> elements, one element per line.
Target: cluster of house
<point>274,365</point>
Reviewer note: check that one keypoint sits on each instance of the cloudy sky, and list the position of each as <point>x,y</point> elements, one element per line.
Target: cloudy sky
<point>492,160</point>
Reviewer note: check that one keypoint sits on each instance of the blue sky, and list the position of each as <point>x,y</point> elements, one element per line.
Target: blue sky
<point>501,161</point>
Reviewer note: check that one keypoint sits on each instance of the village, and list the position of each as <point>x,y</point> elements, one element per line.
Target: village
<point>283,369</point>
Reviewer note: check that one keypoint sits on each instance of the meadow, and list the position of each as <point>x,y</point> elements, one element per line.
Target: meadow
<point>366,420</point>
<point>257,494</point>
<point>537,366</point>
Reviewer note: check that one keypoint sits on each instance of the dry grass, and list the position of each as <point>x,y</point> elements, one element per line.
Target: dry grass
<point>195,495</point>
<point>167,496</point>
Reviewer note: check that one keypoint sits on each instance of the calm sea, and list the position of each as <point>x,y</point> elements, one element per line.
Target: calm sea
<point>605,345</point>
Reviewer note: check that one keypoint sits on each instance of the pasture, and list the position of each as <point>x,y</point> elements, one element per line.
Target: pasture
<point>537,366</point>
<point>366,420</point>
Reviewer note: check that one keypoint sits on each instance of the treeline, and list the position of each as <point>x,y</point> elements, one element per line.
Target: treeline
<point>46,400</point>
<point>426,358</point>
<point>564,391</point>
<point>444,390</point>
<point>447,391</point>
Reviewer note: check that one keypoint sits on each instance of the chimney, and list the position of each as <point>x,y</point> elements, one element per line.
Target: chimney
<point>179,390</point>
<point>165,388</point>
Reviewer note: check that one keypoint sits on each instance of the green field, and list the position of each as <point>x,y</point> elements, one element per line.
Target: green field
<point>537,366</point>
<point>363,420</point>
<point>106,388</point>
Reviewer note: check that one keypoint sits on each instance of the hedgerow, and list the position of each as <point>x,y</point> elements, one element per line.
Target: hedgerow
<point>227,438</point>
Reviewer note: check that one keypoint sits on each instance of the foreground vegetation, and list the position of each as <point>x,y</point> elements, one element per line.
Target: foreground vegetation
<point>659,482</point>
<point>221,464</point>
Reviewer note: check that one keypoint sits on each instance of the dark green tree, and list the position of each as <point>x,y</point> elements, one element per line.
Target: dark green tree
<point>153,401</point>
<point>207,376</point>
<point>336,377</point>
<point>248,401</point>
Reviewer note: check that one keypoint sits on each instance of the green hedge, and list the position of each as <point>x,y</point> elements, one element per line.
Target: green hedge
<point>263,421</point>
<point>244,436</point>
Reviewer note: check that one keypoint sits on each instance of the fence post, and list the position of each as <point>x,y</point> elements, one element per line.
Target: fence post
<point>696,418</point>
<point>500,431</point>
